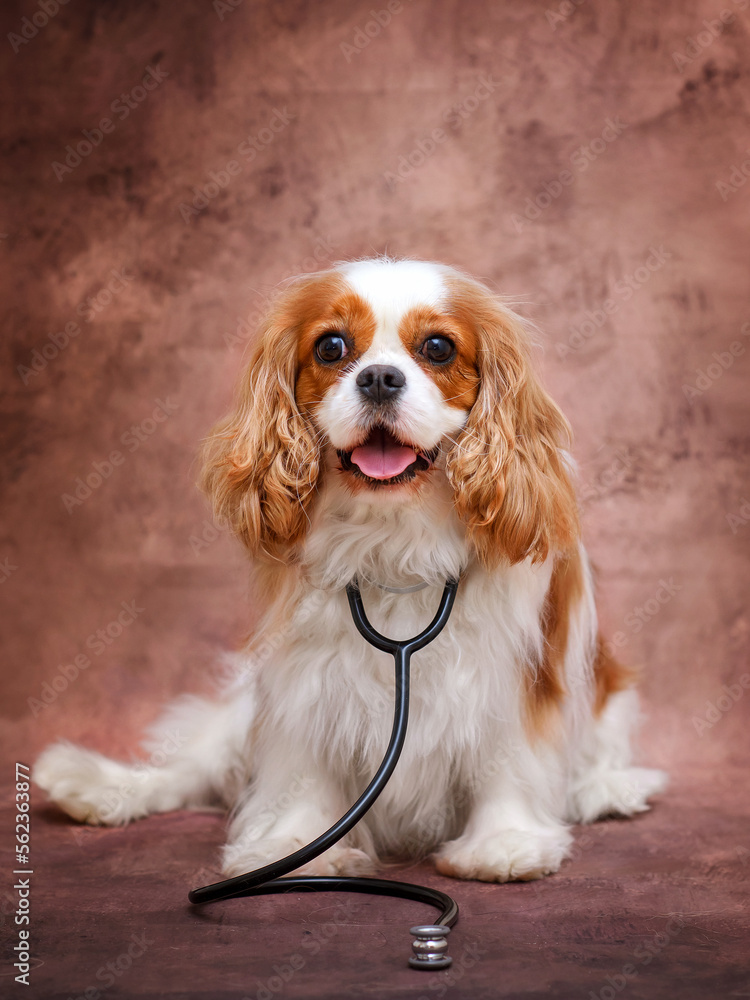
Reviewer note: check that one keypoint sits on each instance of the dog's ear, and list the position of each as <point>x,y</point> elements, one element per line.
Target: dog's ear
<point>510,477</point>
<point>262,462</point>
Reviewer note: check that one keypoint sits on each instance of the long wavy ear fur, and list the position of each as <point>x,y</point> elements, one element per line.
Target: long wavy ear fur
<point>510,478</point>
<point>262,462</point>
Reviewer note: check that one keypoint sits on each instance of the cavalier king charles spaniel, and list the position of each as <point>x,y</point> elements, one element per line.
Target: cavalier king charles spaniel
<point>390,429</point>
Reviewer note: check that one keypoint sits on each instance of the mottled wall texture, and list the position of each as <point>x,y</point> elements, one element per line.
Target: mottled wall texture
<point>165,165</point>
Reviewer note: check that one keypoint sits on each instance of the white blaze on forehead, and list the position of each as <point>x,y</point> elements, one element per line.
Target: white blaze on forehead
<point>391,289</point>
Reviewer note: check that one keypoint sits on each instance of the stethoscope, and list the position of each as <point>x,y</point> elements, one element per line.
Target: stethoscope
<point>430,940</point>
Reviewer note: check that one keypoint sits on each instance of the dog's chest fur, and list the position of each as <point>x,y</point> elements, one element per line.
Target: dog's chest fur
<point>467,686</point>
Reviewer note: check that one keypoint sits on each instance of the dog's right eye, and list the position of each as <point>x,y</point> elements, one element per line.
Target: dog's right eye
<point>330,348</point>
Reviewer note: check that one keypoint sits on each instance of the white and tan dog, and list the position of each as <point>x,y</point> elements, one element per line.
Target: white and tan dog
<point>389,427</point>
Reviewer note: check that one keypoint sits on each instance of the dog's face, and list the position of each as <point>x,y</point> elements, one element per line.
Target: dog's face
<point>388,374</point>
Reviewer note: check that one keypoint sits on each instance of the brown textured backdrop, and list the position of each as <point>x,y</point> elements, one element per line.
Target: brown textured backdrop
<point>572,160</point>
<point>584,157</point>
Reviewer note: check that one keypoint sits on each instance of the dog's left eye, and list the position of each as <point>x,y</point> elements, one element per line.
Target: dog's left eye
<point>438,350</point>
<point>331,347</point>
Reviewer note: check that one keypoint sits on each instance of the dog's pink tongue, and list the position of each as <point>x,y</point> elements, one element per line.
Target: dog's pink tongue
<point>382,456</point>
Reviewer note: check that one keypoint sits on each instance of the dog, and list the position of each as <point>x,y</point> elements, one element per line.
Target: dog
<point>390,430</point>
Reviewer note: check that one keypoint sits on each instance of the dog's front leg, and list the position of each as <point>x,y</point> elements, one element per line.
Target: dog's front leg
<point>291,802</point>
<point>514,829</point>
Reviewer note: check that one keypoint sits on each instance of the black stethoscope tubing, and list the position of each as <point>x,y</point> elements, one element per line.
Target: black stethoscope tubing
<point>269,879</point>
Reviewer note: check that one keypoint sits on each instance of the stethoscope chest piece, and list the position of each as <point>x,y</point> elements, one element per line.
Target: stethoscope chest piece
<point>429,946</point>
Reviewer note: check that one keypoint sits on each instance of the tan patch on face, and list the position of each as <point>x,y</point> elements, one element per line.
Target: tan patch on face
<point>545,691</point>
<point>458,380</point>
<point>334,308</point>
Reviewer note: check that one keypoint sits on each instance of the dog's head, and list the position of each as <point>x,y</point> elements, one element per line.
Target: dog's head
<point>388,374</point>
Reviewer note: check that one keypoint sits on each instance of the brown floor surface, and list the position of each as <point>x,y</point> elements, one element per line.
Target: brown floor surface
<point>653,907</point>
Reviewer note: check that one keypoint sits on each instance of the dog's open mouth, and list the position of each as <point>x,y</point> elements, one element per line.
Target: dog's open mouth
<point>383,459</point>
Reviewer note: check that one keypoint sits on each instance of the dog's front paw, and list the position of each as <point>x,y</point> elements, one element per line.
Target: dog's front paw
<point>615,792</point>
<point>505,856</point>
<point>241,858</point>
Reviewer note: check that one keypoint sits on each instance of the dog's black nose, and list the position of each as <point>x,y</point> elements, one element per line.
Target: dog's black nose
<point>380,382</point>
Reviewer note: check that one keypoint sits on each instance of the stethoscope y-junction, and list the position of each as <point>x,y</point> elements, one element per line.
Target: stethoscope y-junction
<point>430,942</point>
